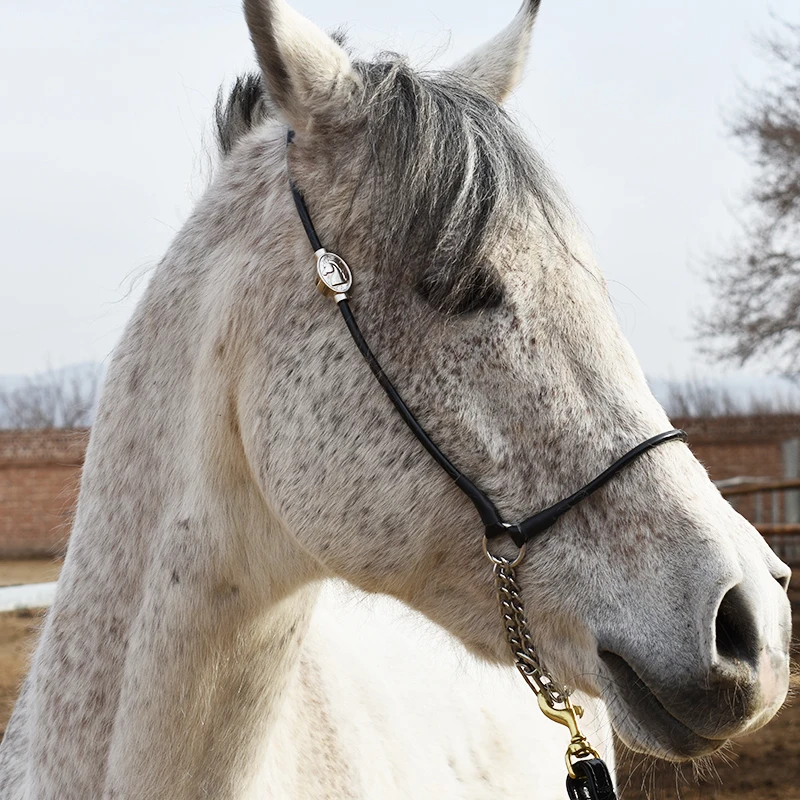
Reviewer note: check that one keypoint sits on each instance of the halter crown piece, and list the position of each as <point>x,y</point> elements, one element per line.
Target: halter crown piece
<point>588,777</point>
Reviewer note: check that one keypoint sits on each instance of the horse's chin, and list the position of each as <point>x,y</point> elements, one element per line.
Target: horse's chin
<point>645,725</point>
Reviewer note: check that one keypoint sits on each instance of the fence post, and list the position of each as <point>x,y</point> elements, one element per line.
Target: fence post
<point>791,469</point>
<point>758,514</point>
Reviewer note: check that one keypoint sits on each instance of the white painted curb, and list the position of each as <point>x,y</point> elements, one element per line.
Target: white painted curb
<point>23,598</point>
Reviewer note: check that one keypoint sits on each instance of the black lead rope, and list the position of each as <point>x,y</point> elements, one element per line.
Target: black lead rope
<point>592,780</point>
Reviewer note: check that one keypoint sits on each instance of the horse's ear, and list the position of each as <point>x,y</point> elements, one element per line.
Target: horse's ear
<point>496,67</point>
<point>306,72</point>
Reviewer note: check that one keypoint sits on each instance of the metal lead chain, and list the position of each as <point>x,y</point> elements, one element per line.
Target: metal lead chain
<point>553,698</point>
<point>518,634</point>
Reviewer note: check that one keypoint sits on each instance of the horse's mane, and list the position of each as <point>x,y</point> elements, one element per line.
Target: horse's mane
<point>448,170</point>
<point>246,106</point>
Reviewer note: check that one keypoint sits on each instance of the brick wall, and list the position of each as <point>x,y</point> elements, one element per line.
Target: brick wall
<point>732,447</point>
<point>39,475</point>
<point>741,446</point>
<point>40,470</point>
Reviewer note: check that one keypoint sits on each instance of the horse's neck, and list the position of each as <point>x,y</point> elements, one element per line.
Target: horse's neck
<point>167,652</point>
<point>177,624</point>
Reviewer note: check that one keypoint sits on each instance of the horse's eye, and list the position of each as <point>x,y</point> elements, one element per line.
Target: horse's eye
<point>480,290</point>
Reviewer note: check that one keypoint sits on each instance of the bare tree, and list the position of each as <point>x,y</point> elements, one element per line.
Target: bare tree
<point>55,399</point>
<point>702,397</point>
<point>757,282</point>
<point>698,398</point>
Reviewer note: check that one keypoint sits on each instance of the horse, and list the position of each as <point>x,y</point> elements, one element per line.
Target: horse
<point>263,556</point>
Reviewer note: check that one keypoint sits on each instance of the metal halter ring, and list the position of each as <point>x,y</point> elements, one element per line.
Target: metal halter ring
<point>501,561</point>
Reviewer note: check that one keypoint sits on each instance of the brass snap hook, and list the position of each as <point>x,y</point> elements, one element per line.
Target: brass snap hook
<point>568,716</point>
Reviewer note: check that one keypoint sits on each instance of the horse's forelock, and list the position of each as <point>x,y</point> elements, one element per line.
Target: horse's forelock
<point>452,171</point>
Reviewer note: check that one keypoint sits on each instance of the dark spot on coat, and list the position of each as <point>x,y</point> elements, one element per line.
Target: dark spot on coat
<point>133,383</point>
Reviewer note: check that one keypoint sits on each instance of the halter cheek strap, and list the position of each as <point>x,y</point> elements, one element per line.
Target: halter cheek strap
<point>335,280</point>
<point>522,532</point>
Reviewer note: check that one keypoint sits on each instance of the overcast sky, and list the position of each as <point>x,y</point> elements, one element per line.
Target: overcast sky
<point>105,125</point>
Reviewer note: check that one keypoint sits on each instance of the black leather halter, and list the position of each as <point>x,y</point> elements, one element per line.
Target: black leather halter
<point>521,533</point>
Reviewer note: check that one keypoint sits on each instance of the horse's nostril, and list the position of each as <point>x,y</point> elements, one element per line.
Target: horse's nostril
<point>736,631</point>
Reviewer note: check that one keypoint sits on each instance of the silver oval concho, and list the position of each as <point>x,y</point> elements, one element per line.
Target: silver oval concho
<point>333,274</point>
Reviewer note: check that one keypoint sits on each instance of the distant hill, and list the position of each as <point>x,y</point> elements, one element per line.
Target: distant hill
<point>10,382</point>
<point>738,393</point>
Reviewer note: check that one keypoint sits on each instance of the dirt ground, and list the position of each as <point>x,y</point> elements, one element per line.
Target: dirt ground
<point>764,766</point>
<point>30,571</point>
<point>18,630</point>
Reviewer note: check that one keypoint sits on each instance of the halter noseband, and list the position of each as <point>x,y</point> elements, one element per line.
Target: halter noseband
<point>334,279</point>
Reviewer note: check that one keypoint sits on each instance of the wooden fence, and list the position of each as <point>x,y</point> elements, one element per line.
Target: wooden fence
<point>773,503</point>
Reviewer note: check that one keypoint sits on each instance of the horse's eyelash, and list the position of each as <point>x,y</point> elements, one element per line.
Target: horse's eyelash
<point>480,297</point>
<point>446,296</point>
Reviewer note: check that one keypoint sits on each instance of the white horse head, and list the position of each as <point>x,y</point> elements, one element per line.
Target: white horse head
<point>490,314</point>
<point>242,449</point>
